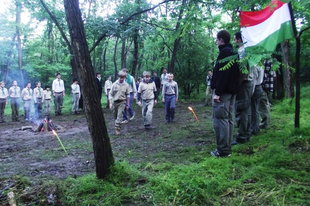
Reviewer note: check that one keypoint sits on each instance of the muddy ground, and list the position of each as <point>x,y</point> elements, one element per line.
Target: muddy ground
<point>39,156</point>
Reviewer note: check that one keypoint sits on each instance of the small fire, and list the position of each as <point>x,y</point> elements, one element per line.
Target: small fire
<point>54,132</point>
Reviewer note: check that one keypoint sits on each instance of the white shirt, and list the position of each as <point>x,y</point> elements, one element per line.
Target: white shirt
<point>75,89</point>
<point>58,85</point>
<point>27,94</point>
<point>3,93</point>
<point>164,78</point>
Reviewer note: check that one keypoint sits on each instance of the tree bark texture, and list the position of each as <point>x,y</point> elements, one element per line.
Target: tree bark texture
<point>114,58</point>
<point>19,41</point>
<point>288,76</point>
<point>95,118</point>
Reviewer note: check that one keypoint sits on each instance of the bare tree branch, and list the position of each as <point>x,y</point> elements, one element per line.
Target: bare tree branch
<point>57,24</point>
<point>126,20</point>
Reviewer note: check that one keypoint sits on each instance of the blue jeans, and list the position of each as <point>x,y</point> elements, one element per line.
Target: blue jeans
<point>169,107</point>
<point>130,110</point>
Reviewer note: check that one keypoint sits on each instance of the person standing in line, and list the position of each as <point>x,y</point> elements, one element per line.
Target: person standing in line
<point>163,78</point>
<point>243,97</point>
<point>130,80</point>
<point>76,95</point>
<point>147,94</point>
<point>156,80</point>
<point>99,83</point>
<point>208,89</point>
<point>107,88</point>
<point>14,93</point>
<point>264,103</point>
<point>37,96</point>
<point>27,96</point>
<point>258,79</point>
<point>119,99</point>
<point>170,94</point>
<point>138,82</point>
<point>3,101</point>
<point>47,97</point>
<point>225,85</point>
<point>58,88</point>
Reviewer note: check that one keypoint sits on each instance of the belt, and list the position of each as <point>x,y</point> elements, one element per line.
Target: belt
<point>169,94</point>
<point>2,98</point>
<point>75,93</point>
<point>39,97</point>
<point>47,99</point>
<point>14,97</point>
<point>58,92</point>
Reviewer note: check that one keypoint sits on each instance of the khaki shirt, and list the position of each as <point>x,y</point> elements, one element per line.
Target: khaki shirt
<point>14,91</point>
<point>3,93</point>
<point>47,95</point>
<point>27,94</point>
<point>147,90</point>
<point>37,93</point>
<point>119,91</point>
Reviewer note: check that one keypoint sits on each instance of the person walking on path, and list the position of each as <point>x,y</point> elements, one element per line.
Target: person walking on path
<point>27,96</point>
<point>130,80</point>
<point>208,89</point>
<point>76,95</point>
<point>224,84</point>
<point>107,88</point>
<point>47,97</point>
<point>14,93</point>
<point>38,96</point>
<point>3,100</point>
<point>163,77</point>
<point>58,88</point>
<point>99,83</point>
<point>119,99</point>
<point>170,94</point>
<point>156,80</point>
<point>147,97</point>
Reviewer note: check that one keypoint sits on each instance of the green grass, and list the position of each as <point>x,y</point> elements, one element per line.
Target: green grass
<point>273,169</point>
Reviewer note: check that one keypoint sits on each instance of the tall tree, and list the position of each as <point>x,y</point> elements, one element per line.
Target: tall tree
<point>96,122</point>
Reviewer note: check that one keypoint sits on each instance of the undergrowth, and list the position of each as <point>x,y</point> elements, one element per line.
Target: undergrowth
<point>273,169</point>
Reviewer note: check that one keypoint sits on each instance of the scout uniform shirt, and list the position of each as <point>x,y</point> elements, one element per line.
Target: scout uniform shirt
<point>3,93</point>
<point>37,93</point>
<point>14,92</point>
<point>107,85</point>
<point>47,95</point>
<point>147,90</point>
<point>27,94</point>
<point>119,91</point>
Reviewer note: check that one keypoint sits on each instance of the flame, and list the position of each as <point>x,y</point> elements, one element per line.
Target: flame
<point>190,108</point>
<point>54,132</point>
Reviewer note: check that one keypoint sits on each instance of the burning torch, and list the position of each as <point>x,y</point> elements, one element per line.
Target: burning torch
<point>191,109</point>
<point>54,132</point>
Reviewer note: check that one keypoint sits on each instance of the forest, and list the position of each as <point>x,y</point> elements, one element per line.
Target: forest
<point>79,38</point>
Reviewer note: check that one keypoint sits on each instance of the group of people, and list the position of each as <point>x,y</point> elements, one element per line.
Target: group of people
<point>37,97</point>
<point>237,93</point>
<point>124,90</point>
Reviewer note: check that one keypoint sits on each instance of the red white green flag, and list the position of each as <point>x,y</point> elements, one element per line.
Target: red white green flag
<point>267,27</point>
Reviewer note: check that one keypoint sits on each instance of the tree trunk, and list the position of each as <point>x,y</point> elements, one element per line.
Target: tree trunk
<point>288,76</point>
<point>135,52</point>
<point>177,41</point>
<point>114,59</point>
<point>95,118</point>
<point>19,41</point>
<point>123,53</point>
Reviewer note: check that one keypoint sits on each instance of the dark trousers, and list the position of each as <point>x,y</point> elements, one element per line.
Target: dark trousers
<point>38,108</point>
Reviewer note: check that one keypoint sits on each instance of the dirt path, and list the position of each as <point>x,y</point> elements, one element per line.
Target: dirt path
<point>39,155</point>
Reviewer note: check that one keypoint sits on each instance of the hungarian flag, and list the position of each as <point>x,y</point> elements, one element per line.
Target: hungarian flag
<point>267,27</point>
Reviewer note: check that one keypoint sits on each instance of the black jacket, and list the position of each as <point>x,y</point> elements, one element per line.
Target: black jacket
<point>225,81</point>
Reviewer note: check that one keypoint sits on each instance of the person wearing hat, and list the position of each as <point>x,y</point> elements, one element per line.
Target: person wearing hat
<point>58,88</point>
<point>119,99</point>
<point>147,94</point>
<point>76,95</point>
